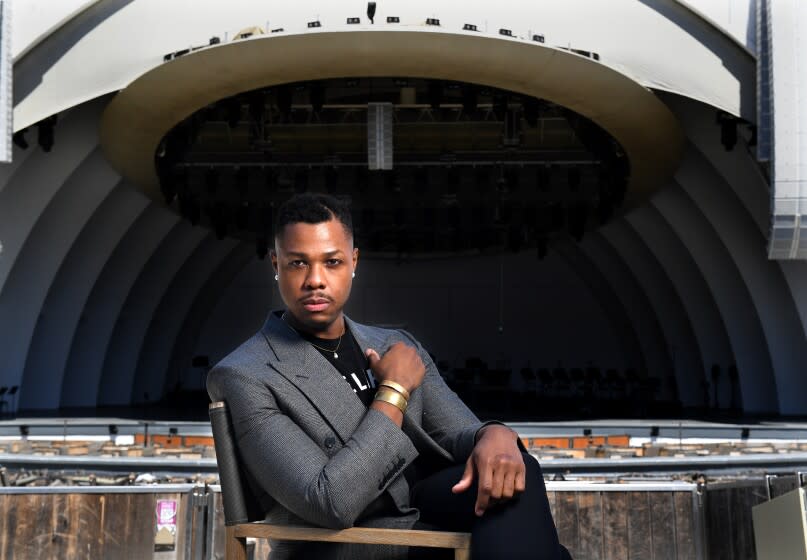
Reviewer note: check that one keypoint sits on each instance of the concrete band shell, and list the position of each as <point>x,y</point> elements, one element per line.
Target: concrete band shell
<point>138,118</point>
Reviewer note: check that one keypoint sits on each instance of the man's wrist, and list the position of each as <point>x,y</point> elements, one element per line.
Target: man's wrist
<point>481,431</point>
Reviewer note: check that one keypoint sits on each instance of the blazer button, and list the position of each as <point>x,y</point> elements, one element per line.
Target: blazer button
<point>330,441</point>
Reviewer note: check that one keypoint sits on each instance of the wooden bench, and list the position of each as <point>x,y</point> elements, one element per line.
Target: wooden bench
<point>242,516</point>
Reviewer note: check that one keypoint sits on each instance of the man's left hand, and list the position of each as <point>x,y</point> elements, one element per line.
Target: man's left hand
<point>496,461</point>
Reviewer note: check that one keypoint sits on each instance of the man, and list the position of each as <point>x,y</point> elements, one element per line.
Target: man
<point>341,424</point>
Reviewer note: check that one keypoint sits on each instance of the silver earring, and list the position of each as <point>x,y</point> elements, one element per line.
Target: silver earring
<point>275,277</point>
<point>354,275</point>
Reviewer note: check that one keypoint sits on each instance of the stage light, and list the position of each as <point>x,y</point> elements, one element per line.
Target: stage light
<point>19,139</point>
<point>312,24</point>
<point>393,19</point>
<point>353,20</point>
<point>277,30</point>
<point>371,11</point>
<point>538,38</point>
<point>214,40</point>
<point>506,32</point>
<point>46,136</point>
<point>432,21</point>
<point>113,429</point>
<point>380,136</point>
<point>469,27</point>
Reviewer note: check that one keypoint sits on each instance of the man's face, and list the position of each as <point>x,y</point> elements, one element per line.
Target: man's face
<point>315,264</point>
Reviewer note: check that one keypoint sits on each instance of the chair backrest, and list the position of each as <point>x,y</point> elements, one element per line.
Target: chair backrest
<point>240,504</point>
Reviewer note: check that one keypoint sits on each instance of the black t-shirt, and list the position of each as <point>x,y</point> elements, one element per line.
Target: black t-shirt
<point>346,356</point>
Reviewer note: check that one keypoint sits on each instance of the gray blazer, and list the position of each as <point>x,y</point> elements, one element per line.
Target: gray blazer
<point>315,453</point>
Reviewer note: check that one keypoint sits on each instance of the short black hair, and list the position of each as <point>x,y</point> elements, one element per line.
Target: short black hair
<point>313,208</point>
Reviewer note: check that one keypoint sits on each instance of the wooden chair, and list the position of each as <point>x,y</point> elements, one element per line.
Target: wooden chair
<point>243,517</point>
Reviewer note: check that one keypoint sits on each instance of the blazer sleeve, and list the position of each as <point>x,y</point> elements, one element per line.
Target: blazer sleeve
<point>445,417</point>
<point>292,468</point>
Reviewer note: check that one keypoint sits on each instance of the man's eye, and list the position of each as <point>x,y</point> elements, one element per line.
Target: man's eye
<point>334,262</point>
<point>297,263</point>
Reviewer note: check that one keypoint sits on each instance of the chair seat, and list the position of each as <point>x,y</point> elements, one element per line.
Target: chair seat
<point>460,542</point>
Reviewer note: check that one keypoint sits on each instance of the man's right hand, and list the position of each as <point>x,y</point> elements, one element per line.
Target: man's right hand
<point>401,364</point>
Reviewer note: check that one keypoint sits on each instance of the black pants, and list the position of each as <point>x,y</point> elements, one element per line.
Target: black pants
<point>520,528</point>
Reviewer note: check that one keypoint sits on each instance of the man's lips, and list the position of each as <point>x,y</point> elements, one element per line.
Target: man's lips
<point>315,304</point>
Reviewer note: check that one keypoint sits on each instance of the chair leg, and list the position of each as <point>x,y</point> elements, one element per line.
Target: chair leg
<point>462,554</point>
<point>235,548</point>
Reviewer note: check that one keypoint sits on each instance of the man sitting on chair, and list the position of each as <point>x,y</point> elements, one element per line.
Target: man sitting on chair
<point>341,424</point>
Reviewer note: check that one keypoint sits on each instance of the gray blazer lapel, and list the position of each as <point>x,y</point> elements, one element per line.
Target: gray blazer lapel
<point>317,379</point>
<point>367,338</point>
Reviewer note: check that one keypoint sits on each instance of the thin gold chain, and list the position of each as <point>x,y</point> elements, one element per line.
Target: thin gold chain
<point>335,350</point>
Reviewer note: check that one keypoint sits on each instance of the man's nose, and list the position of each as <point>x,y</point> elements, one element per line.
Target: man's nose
<point>315,279</point>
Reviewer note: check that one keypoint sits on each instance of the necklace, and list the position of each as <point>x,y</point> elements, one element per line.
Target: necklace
<point>335,350</point>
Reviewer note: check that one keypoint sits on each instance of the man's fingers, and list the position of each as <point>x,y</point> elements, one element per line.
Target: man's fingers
<point>485,486</point>
<point>466,480</point>
<point>373,356</point>
<point>521,480</point>
<point>509,484</point>
<point>499,473</point>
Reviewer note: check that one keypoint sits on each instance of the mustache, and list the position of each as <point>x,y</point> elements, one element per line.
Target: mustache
<point>316,296</point>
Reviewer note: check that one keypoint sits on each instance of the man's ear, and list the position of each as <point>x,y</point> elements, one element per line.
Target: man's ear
<point>273,256</point>
<point>355,258</point>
